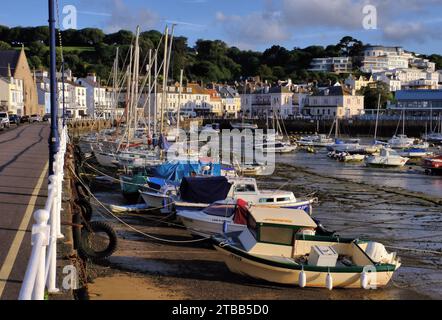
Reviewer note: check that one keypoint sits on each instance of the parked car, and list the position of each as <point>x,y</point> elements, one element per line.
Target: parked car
<point>25,119</point>
<point>46,117</point>
<point>14,119</point>
<point>35,118</point>
<point>4,120</point>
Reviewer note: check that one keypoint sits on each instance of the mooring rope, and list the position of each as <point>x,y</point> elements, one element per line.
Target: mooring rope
<point>130,226</point>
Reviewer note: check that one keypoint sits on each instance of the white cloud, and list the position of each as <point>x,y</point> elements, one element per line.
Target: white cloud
<point>414,31</point>
<point>123,17</point>
<point>280,20</point>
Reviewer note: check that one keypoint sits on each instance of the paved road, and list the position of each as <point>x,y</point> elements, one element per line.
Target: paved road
<point>23,189</point>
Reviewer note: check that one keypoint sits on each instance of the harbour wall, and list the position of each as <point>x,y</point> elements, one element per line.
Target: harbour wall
<point>386,128</point>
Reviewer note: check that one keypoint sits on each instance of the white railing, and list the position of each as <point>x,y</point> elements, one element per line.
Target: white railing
<point>41,272</point>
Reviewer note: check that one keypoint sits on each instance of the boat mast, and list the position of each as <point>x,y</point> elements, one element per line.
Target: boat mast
<point>155,101</point>
<point>403,122</point>
<point>377,120</point>
<point>115,84</point>
<point>134,88</point>
<point>180,92</point>
<point>337,128</point>
<point>149,68</point>
<point>164,95</point>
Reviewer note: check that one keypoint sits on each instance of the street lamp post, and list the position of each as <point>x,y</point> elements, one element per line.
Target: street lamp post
<point>54,139</point>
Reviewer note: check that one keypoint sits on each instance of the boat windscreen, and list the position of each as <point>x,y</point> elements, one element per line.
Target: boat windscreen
<point>220,210</point>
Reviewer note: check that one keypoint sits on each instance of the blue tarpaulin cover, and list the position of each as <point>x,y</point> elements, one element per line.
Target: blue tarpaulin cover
<point>175,171</point>
<point>204,189</point>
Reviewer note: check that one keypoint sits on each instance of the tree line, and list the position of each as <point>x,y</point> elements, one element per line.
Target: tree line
<point>91,50</point>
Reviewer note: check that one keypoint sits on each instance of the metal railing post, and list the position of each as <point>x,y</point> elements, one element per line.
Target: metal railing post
<point>34,280</point>
<point>51,259</point>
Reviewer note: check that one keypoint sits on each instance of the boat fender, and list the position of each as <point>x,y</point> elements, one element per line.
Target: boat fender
<point>364,280</point>
<point>329,281</point>
<point>302,279</point>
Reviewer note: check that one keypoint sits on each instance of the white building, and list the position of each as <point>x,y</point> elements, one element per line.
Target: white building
<point>398,79</point>
<point>266,101</point>
<point>332,64</point>
<point>75,95</point>
<point>230,100</point>
<point>335,101</point>
<point>380,58</point>
<point>98,98</point>
<point>11,95</point>
<point>195,100</point>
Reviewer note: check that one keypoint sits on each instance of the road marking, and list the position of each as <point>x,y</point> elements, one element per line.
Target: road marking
<point>6,269</point>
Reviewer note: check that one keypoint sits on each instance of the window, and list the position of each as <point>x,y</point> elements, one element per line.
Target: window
<point>278,235</point>
<point>245,188</point>
<point>282,199</point>
<point>266,200</point>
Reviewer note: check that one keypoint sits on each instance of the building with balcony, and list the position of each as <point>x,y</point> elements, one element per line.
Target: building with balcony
<point>265,101</point>
<point>332,64</point>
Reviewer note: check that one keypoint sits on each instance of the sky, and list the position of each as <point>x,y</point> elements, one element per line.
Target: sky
<point>256,24</point>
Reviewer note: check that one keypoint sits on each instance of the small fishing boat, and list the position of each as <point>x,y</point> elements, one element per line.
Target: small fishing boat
<point>253,170</point>
<point>219,216</point>
<point>435,138</point>
<point>106,159</point>
<point>277,147</point>
<point>349,146</point>
<point>433,165</point>
<point>319,140</point>
<point>415,153</point>
<point>401,141</point>
<point>196,193</point>
<point>285,248</point>
<point>387,158</point>
<point>128,208</point>
<point>346,157</point>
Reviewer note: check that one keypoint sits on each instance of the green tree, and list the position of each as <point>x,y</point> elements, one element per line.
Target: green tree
<point>5,46</point>
<point>265,72</point>
<point>372,92</point>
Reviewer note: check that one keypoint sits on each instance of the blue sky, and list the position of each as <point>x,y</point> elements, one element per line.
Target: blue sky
<point>255,24</point>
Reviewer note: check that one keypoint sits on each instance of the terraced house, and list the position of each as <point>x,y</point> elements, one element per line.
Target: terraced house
<point>336,101</point>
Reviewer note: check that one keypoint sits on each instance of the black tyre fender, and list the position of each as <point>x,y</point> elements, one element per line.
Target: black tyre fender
<point>97,226</point>
<point>86,209</point>
<point>81,190</point>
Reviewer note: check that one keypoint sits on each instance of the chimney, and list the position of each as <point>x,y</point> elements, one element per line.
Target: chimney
<point>9,71</point>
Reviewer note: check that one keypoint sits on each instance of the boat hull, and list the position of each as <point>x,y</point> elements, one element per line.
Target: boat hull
<point>306,206</point>
<point>246,265</point>
<point>156,200</point>
<point>208,227</point>
<point>105,160</point>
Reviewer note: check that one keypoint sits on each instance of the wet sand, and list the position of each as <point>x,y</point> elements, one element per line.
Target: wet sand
<point>195,271</point>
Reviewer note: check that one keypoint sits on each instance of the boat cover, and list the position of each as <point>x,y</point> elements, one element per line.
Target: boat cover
<point>175,171</point>
<point>241,212</point>
<point>207,189</point>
